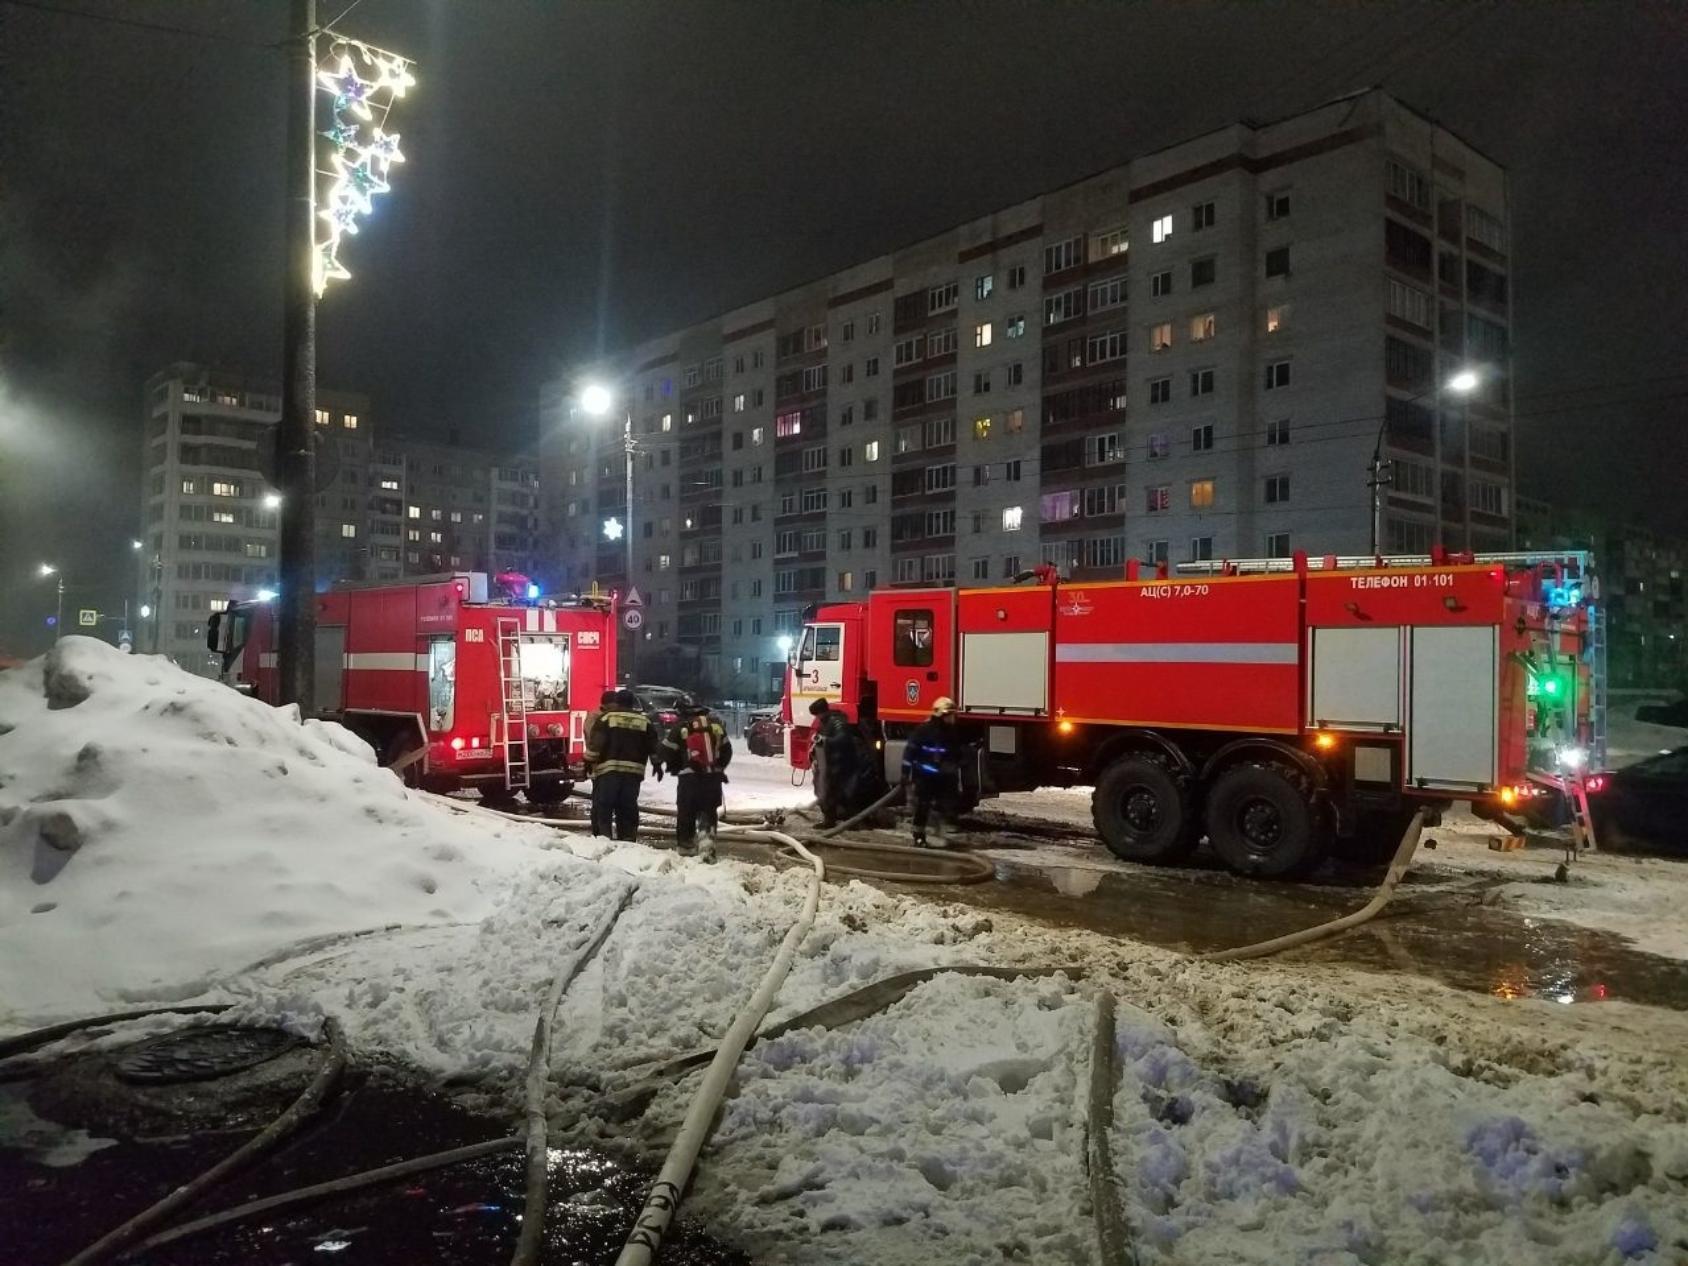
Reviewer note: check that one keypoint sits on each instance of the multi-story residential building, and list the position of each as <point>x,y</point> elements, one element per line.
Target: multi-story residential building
<point>1188,356</point>
<point>383,510</point>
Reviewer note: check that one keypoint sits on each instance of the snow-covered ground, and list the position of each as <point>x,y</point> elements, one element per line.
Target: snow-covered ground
<point>1267,1112</point>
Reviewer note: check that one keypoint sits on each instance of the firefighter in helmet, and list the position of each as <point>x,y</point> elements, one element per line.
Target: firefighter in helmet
<point>621,742</point>
<point>932,771</point>
<point>697,751</point>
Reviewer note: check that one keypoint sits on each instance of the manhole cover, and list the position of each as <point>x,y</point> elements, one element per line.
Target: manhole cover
<point>202,1054</point>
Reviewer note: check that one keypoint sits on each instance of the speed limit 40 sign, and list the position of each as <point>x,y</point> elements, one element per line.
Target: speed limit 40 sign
<point>633,618</point>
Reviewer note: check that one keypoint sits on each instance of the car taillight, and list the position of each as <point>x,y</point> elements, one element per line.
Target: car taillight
<point>457,745</point>
<point>1595,782</point>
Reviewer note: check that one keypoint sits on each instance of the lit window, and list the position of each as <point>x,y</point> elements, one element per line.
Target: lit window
<point>348,530</point>
<point>787,424</point>
<point>322,417</point>
<point>1014,327</point>
<point>1201,494</point>
<point>434,515</point>
<point>1160,337</point>
<point>350,421</point>
<point>981,428</point>
<point>870,451</point>
<point>846,581</point>
<point>668,422</point>
<point>218,604</point>
<point>1277,318</point>
<point>982,286</point>
<point>221,488</point>
<point>435,537</point>
<point>414,512</point>
<point>1015,421</point>
<point>1201,327</point>
<point>756,434</point>
<point>190,486</point>
<point>222,516</point>
<point>1011,518</point>
<point>664,561</point>
<point>738,403</point>
<point>389,485</point>
<point>1162,228</point>
<point>457,516</point>
<point>982,334</point>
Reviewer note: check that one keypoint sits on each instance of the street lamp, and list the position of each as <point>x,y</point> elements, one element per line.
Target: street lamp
<point>1461,383</point>
<point>597,400</point>
<point>135,545</point>
<point>146,611</point>
<point>783,641</point>
<point>272,501</point>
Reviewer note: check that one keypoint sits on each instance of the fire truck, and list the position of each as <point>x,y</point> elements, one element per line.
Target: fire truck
<point>454,682</point>
<point>1282,708</point>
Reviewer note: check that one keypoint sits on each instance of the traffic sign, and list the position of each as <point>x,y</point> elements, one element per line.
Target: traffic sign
<point>633,618</point>
<point>633,599</point>
<point>88,618</point>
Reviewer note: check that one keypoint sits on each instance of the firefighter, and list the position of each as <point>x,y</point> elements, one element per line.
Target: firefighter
<point>606,703</point>
<point>621,742</point>
<point>932,770</point>
<point>697,752</point>
<point>836,771</point>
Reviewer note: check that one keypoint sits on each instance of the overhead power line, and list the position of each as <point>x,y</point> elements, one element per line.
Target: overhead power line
<point>159,28</point>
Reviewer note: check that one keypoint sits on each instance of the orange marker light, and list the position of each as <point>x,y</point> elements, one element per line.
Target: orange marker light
<point>1509,796</point>
<point>1324,742</point>
<point>1065,727</point>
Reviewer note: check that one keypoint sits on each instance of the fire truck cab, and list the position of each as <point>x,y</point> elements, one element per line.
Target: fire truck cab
<point>1280,708</point>
<point>454,682</point>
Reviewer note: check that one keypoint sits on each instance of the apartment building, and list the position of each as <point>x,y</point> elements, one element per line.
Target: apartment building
<point>1189,356</point>
<point>384,509</point>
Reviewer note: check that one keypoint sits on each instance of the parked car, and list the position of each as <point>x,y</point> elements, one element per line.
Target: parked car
<point>1643,807</point>
<point>662,704</point>
<point>764,734</point>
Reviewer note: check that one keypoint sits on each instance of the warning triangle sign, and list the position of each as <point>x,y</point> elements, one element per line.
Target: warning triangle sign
<point>632,599</point>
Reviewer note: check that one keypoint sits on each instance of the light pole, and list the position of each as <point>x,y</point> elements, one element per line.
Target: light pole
<point>47,569</point>
<point>1381,473</point>
<point>597,400</point>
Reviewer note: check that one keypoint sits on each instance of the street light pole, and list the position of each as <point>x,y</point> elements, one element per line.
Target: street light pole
<point>295,434</point>
<point>1381,472</point>
<point>627,446</point>
<point>58,618</point>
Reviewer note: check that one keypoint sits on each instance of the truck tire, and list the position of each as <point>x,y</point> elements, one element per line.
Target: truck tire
<point>1262,822</point>
<point>1143,811</point>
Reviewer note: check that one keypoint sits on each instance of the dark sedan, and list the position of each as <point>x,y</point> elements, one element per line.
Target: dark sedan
<point>1643,807</point>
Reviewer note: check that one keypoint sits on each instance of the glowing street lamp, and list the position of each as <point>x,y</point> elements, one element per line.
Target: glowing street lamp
<point>49,569</point>
<point>613,531</point>
<point>1460,383</point>
<point>596,399</point>
<point>271,501</point>
<point>784,642</point>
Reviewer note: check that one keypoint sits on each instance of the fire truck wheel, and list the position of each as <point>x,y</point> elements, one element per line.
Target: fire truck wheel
<point>1261,822</point>
<point>1142,811</point>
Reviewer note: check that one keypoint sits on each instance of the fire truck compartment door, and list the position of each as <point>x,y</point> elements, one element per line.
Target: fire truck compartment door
<point>819,669</point>
<point>328,685</point>
<point>1451,728</point>
<point>1356,679</point>
<point>1005,672</point>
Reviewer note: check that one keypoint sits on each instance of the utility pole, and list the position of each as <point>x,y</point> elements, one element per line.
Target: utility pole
<point>633,643</point>
<point>295,434</point>
<point>1382,475</point>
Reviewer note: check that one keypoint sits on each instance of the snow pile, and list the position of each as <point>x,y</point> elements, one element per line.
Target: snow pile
<point>158,830</point>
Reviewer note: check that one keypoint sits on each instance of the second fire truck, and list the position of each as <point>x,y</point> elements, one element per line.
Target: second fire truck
<point>1281,708</point>
<point>455,681</point>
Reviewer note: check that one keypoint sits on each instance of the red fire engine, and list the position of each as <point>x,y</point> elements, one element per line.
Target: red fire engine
<point>1280,707</point>
<point>453,686</point>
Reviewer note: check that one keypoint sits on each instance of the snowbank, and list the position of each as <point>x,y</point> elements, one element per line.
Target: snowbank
<point>158,830</point>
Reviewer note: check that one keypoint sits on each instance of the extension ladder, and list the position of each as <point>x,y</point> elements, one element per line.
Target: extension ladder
<point>513,699</point>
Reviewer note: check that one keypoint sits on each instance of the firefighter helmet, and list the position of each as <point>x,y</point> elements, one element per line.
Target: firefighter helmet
<point>943,706</point>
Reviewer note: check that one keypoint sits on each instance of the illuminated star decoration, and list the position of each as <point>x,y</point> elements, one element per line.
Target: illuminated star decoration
<point>612,529</point>
<point>362,83</point>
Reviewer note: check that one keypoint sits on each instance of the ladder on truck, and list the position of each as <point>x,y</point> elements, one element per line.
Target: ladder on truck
<point>512,695</point>
<point>1596,653</point>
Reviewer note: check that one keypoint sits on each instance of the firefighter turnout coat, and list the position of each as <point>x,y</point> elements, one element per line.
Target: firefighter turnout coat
<point>621,741</point>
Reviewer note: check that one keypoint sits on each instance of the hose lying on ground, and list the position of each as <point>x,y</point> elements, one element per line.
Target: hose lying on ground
<point>309,1100</point>
<point>1397,868</point>
<point>334,1187</point>
<point>1105,1203</point>
<point>531,1239</point>
<point>834,1013</point>
<point>877,805</point>
<point>664,1197</point>
<point>23,1043</point>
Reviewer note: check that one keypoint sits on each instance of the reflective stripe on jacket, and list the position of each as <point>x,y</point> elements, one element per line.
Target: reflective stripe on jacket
<point>620,742</point>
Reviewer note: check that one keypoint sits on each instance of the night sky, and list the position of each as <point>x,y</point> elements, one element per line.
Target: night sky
<point>584,175</point>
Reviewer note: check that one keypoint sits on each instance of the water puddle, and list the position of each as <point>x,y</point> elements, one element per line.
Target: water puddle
<point>469,1213</point>
<point>1446,936</point>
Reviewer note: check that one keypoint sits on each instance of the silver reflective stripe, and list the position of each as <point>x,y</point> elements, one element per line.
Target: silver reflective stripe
<point>374,661</point>
<point>1177,653</point>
